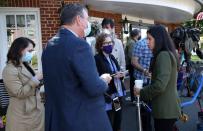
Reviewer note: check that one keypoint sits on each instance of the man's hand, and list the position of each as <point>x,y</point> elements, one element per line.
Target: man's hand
<point>106,78</point>
<point>147,73</point>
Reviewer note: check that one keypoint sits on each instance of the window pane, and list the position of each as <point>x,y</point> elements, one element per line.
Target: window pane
<point>20,32</point>
<point>20,20</point>
<point>31,23</point>
<point>11,36</point>
<point>31,33</point>
<point>34,61</point>
<point>30,20</point>
<point>10,21</point>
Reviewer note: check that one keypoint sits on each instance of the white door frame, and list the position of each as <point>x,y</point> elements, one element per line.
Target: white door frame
<point>3,45</point>
<point>3,33</point>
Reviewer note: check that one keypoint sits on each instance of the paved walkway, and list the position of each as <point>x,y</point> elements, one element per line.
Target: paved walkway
<point>130,122</point>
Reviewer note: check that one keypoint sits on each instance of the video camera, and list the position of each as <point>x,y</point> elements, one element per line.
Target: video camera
<point>181,34</point>
<point>186,39</point>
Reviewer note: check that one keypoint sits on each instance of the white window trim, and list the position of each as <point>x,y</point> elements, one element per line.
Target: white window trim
<point>3,47</point>
<point>18,9</point>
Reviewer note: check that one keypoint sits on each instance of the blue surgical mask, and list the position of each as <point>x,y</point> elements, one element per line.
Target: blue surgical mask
<point>27,57</point>
<point>88,29</point>
<point>107,49</point>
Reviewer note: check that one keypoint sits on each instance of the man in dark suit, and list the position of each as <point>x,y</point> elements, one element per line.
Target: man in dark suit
<point>73,88</point>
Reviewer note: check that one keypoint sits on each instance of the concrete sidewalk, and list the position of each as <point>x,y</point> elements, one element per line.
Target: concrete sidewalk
<point>130,123</point>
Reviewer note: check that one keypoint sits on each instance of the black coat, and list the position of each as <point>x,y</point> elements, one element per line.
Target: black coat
<point>103,66</point>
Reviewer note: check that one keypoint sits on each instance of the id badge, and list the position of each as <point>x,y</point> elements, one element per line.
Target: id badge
<point>116,104</point>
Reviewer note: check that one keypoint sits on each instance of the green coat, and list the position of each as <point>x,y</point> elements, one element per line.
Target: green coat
<point>163,90</point>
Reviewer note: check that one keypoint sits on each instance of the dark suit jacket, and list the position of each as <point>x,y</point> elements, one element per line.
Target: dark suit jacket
<point>103,66</point>
<point>73,89</point>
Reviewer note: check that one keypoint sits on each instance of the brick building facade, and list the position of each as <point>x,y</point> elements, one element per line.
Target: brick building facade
<point>49,14</point>
<point>45,16</point>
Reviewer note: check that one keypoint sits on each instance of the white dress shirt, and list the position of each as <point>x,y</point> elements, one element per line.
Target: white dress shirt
<point>118,53</point>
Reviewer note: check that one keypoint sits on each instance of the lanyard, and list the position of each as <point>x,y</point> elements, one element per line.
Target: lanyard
<point>114,70</point>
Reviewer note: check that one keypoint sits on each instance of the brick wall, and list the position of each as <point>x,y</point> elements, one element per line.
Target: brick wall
<point>50,17</point>
<point>23,3</point>
<point>49,10</point>
<point>48,14</point>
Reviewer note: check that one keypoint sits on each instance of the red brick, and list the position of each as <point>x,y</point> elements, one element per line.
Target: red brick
<point>50,17</point>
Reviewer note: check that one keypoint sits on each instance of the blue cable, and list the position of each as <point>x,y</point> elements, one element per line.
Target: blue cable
<point>195,96</point>
<point>189,102</point>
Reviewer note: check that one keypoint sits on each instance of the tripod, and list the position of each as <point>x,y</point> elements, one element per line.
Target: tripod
<point>138,112</point>
<point>138,103</point>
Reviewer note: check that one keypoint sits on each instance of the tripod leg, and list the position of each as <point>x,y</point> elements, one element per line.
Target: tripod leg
<point>187,85</point>
<point>139,115</point>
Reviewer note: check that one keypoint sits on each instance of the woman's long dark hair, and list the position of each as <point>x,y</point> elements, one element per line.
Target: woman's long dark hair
<point>15,52</point>
<point>163,41</point>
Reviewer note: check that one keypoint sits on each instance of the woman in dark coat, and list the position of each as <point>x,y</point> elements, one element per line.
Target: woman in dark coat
<point>106,63</point>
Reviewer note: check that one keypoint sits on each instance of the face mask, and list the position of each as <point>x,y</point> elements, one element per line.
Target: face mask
<point>112,33</point>
<point>106,31</point>
<point>109,31</point>
<point>88,29</point>
<point>107,49</point>
<point>27,57</point>
<point>139,38</point>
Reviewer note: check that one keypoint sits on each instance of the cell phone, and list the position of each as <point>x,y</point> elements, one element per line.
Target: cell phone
<point>116,104</point>
<point>41,82</point>
<point>124,72</point>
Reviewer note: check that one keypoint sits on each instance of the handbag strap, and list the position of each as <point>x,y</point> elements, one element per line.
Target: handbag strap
<point>29,68</point>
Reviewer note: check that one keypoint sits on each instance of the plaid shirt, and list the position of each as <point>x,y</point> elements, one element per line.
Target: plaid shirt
<point>144,55</point>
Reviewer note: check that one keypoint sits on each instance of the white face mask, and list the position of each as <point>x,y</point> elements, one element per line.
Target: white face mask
<point>110,32</point>
<point>88,29</point>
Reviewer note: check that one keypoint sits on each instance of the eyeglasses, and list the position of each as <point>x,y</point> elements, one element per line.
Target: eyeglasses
<point>108,43</point>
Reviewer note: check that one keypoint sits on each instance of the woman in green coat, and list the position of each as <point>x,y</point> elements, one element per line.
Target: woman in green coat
<point>162,92</point>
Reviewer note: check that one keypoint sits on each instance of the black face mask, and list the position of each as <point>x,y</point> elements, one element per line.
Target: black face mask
<point>139,38</point>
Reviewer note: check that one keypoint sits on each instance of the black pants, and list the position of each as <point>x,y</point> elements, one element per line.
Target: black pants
<point>164,124</point>
<point>115,117</point>
<point>146,119</point>
<point>132,79</point>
